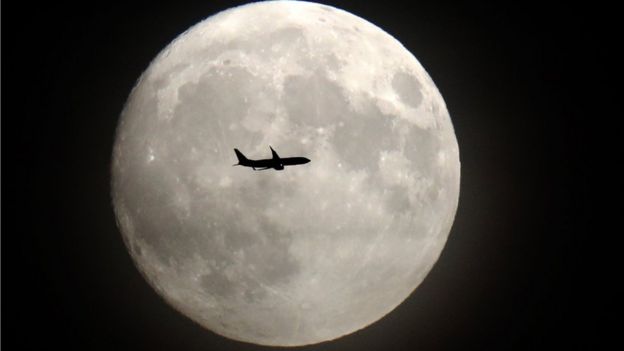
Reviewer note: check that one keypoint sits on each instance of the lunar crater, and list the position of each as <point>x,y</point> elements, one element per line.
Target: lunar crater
<point>408,88</point>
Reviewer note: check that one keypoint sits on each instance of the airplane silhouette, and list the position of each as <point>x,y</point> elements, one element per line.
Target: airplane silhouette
<point>276,162</point>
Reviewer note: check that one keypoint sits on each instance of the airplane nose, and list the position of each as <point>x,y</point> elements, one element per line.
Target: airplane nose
<point>306,160</point>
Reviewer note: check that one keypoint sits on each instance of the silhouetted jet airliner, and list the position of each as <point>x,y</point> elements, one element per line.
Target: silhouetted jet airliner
<point>276,162</point>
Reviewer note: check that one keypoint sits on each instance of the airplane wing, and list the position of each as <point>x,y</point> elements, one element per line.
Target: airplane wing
<point>275,155</point>
<point>261,169</point>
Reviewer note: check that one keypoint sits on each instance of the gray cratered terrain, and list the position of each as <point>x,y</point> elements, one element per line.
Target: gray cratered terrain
<point>310,253</point>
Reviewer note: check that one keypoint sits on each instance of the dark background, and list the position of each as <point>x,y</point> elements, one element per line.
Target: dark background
<point>523,83</point>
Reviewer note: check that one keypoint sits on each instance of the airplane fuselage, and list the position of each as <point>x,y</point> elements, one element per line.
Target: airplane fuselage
<point>277,164</point>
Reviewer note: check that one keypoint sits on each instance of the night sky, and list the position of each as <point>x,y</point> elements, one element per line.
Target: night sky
<point>521,82</point>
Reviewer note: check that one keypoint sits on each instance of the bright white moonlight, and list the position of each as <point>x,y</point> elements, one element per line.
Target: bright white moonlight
<point>313,252</point>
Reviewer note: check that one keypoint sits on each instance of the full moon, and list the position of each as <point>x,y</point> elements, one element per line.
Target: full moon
<point>305,254</point>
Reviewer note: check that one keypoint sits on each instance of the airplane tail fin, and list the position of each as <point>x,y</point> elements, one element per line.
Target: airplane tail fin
<point>241,158</point>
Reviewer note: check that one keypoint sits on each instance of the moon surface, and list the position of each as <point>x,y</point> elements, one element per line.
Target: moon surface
<point>315,251</point>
